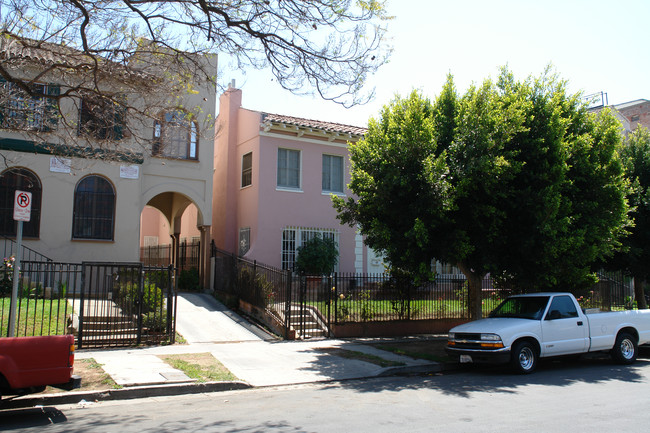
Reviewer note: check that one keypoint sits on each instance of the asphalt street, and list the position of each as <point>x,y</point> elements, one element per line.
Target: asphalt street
<point>589,396</point>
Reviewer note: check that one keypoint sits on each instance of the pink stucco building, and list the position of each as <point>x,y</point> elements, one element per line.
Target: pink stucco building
<point>273,180</point>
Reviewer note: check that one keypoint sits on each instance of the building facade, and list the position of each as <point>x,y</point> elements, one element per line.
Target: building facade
<point>91,181</point>
<point>636,113</point>
<point>273,181</point>
<point>631,114</point>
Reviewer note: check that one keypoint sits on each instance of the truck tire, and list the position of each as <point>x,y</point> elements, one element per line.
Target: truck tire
<point>523,358</point>
<point>625,349</point>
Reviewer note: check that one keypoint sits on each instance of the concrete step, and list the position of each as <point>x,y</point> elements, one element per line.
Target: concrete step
<point>110,332</point>
<point>121,318</point>
<point>306,325</point>
<point>109,322</point>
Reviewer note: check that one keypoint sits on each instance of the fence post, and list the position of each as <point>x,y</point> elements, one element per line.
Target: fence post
<point>303,289</point>
<point>171,303</point>
<point>287,308</point>
<point>140,298</point>
<point>408,299</point>
<point>80,331</point>
<point>336,300</point>
<point>235,277</point>
<point>330,291</point>
<point>256,289</point>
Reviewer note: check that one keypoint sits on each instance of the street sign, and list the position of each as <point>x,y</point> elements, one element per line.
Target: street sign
<point>22,206</point>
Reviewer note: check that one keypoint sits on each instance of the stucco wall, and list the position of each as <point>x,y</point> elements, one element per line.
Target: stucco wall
<point>57,207</point>
<point>182,181</point>
<point>263,207</point>
<point>308,207</point>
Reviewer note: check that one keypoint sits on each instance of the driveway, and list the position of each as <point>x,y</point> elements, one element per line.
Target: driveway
<point>202,319</point>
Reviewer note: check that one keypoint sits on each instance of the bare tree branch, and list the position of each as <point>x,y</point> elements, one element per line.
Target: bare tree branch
<point>328,47</point>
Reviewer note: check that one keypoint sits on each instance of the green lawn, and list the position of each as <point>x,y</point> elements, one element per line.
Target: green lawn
<point>35,316</point>
<point>360,310</point>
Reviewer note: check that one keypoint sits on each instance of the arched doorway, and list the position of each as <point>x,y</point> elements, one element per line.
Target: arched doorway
<point>172,232</point>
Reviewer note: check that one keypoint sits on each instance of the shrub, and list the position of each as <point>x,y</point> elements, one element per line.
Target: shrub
<point>259,289</point>
<point>189,280</point>
<point>317,256</point>
<point>156,322</point>
<point>6,276</point>
<point>152,297</point>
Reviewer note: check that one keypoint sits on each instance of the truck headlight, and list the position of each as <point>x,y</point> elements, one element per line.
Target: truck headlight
<point>451,336</point>
<point>491,341</point>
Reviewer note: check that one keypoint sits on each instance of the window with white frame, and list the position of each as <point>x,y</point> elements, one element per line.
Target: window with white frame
<point>294,237</point>
<point>247,170</point>
<point>445,268</point>
<point>244,240</point>
<point>288,168</point>
<point>150,241</point>
<point>333,173</point>
<point>175,135</point>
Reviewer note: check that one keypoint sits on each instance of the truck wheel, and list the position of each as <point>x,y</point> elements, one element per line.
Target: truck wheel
<point>524,357</point>
<point>625,349</point>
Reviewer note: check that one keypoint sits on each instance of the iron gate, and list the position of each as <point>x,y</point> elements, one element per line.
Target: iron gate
<point>125,304</point>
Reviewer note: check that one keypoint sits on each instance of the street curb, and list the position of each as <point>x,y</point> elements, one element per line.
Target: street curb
<point>134,392</point>
<point>122,394</point>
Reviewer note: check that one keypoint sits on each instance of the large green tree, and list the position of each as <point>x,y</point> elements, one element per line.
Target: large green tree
<point>514,178</point>
<point>635,257</point>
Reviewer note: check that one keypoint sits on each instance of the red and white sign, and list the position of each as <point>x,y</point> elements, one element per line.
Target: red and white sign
<point>22,206</point>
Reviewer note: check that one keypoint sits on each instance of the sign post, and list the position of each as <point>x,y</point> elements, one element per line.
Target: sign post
<point>22,212</point>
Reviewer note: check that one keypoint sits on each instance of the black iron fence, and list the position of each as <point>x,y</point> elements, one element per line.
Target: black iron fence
<point>262,286</point>
<point>382,297</point>
<point>43,306</point>
<point>156,255</point>
<point>104,304</point>
<point>9,247</point>
<point>189,255</point>
<point>613,291</point>
<point>305,303</point>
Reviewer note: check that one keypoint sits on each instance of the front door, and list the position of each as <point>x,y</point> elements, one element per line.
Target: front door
<point>563,330</point>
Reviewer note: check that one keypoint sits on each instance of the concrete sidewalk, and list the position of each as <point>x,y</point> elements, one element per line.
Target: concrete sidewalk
<point>255,363</point>
<point>255,357</point>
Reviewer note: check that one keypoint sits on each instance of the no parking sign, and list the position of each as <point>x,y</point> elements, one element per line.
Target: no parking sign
<point>22,206</point>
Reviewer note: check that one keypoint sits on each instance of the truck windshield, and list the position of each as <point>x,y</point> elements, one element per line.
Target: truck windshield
<point>527,307</point>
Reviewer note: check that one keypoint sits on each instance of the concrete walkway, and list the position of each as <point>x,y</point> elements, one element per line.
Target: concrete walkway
<point>250,353</point>
<point>202,319</point>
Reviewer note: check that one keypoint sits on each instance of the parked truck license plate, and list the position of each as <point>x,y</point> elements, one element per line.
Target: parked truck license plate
<point>465,359</point>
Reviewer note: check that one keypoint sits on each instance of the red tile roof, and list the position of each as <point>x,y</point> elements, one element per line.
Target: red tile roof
<point>15,47</point>
<point>313,124</point>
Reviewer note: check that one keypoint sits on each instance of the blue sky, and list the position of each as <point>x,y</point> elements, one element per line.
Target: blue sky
<point>596,45</point>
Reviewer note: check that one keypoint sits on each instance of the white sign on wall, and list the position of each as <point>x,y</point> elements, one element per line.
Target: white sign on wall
<point>129,171</point>
<point>22,206</point>
<point>60,165</point>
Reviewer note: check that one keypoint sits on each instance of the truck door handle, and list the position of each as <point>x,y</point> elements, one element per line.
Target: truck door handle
<point>580,323</point>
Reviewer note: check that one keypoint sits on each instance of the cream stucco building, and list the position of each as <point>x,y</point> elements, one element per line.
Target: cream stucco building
<point>91,182</point>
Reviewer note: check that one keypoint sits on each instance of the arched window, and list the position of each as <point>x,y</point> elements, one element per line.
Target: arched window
<point>175,135</point>
<point>94,209</point>
<point>21,179</point>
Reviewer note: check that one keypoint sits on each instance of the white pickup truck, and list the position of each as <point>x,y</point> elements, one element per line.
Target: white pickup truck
<point>527,327</point>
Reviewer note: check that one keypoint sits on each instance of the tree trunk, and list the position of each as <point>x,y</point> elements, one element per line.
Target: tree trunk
<point>474,291</point>
<point>639,295</point>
